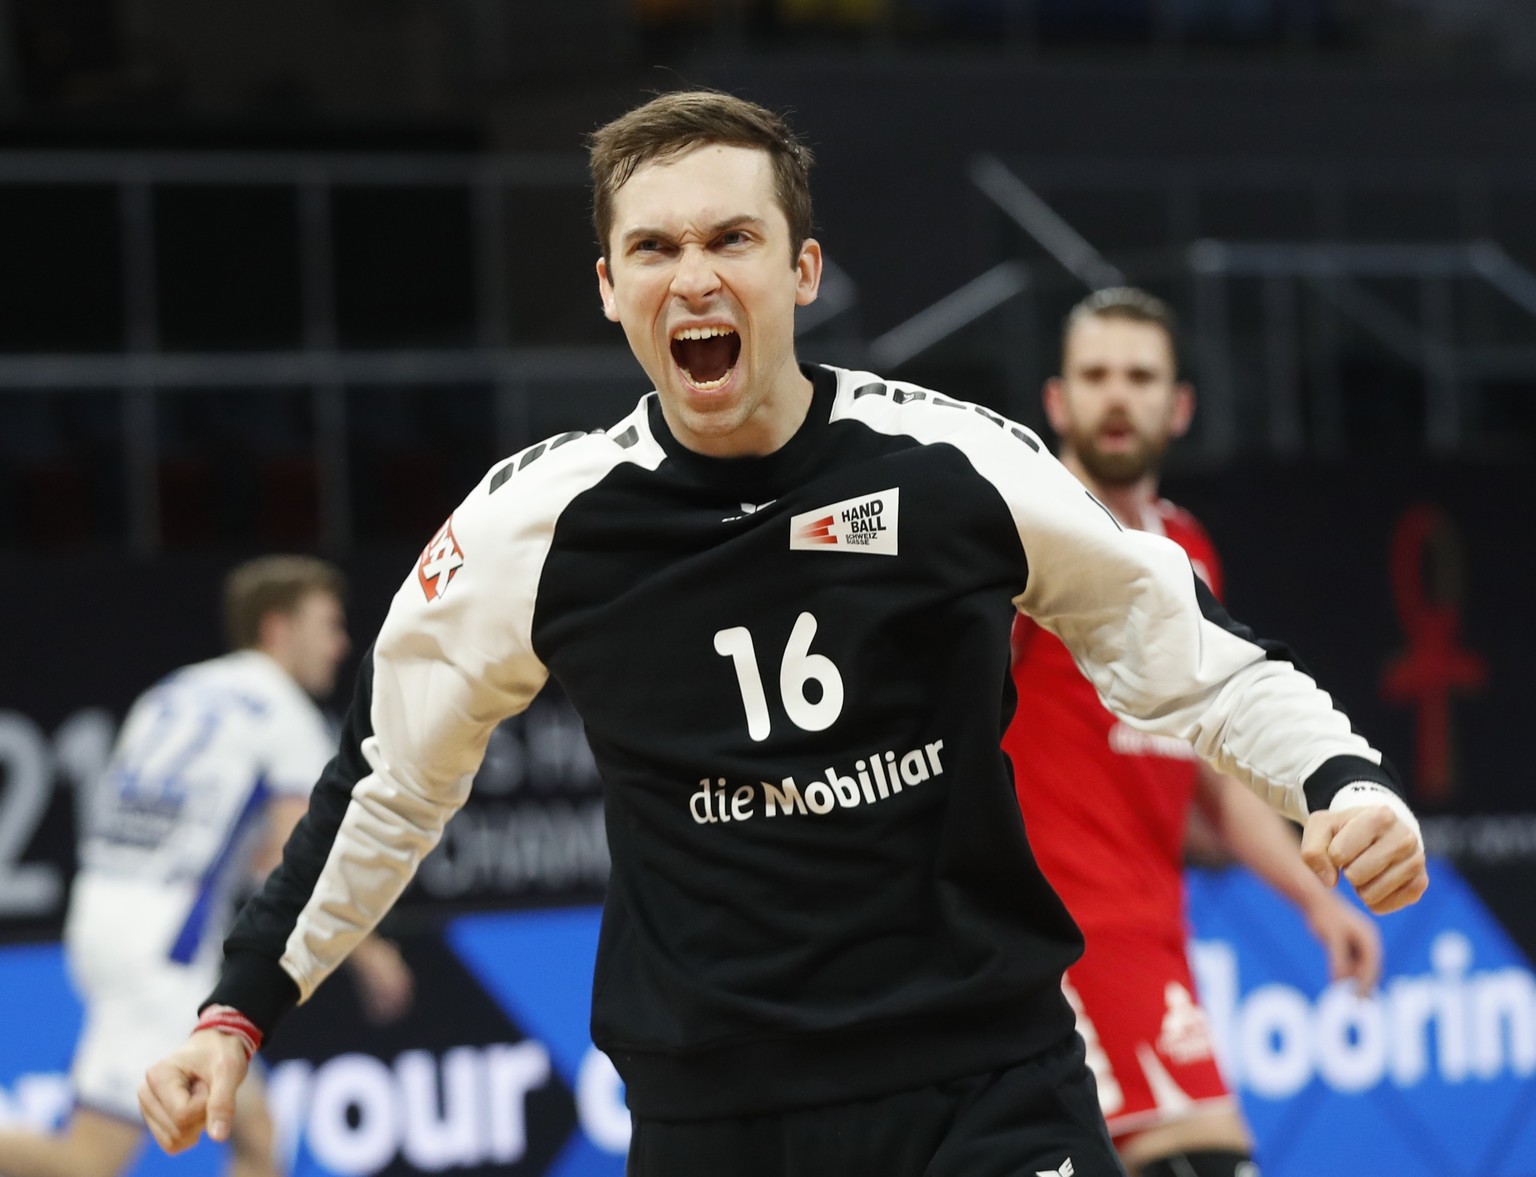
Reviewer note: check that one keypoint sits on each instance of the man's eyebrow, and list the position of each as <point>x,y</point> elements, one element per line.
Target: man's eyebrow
<point>734,222</point>
<point>643,233</point>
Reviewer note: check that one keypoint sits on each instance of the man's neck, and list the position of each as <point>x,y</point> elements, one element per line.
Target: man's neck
<point>776,419</point>
<point>1128,502</point>
<point>278,656</point>
<point>783,413</point>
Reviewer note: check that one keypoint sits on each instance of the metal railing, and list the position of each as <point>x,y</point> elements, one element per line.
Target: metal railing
<point>1334,272</point>
<point>1274,385</point>
<point>143,368</point>
<point>1337,275</point>
<point>330,371</point>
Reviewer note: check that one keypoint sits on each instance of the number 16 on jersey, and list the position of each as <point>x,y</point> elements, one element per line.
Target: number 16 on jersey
<point>797,669</point>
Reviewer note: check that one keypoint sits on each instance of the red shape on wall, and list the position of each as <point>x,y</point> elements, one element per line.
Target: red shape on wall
<point>1427,585</point>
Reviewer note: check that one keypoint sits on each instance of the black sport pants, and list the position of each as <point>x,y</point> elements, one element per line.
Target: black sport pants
<point>1038,1117</point>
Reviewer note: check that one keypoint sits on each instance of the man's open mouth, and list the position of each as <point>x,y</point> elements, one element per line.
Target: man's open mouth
<point>1116,428</point>
<point>706,355</point>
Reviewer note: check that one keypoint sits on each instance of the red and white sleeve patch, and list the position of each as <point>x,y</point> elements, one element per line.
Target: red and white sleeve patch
<point>440,562</point>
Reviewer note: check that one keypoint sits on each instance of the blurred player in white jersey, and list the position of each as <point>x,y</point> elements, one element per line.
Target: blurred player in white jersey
<point>211,771</point>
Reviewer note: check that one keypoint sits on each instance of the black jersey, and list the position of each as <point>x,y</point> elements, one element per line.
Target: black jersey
<point>793,671</point>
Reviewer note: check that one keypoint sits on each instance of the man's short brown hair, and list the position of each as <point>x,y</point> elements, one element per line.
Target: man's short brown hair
<point>673,123</point>
<point>273,584</point>
<point>1125,302</point>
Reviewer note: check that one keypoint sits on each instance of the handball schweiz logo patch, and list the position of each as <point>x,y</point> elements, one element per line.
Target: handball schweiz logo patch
<point>440,562</point>
<point>865,524</point>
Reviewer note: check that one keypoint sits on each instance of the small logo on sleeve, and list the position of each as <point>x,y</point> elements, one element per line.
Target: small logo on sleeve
<point>865,524</point>
<point>1066,1170</point>
<point>440,562</point>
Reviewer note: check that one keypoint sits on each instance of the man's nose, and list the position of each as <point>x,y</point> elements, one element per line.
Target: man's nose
<point>695,277</point>
<point>1117,391</point>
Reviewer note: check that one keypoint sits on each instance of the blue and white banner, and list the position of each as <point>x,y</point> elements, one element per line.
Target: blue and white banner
<point>493,1071</point>
<point>1434,1075</point>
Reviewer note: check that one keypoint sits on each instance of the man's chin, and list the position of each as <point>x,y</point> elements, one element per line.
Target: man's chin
<point>713,421</point>
<point>1117,469</point>
<point>705,419</point>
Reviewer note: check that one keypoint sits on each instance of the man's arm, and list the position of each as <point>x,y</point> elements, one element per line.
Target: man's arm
<point>385,983</point>
<point>1258,838</point>
<point>454,657</point>
<point>284,812</point>
<point>1166,658</point>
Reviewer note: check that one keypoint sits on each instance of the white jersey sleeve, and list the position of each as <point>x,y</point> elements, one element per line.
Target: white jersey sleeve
<point>1159,650</point>
<point>454,657</point>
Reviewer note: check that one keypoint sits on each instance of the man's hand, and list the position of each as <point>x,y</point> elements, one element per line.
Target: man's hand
<point>1349,937</point>
<point>1374,848</point>
<point>384,981</point>
<point>193,1086</point>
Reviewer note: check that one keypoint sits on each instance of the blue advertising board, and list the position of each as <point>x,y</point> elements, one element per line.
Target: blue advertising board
<point>1434,1075</point>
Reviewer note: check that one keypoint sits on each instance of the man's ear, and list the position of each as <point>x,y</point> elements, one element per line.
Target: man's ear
<point>808,272</point>
<point>1054,397</point>
<point>605,291</point>
<point>273,631</point>
<point>1183,409</point>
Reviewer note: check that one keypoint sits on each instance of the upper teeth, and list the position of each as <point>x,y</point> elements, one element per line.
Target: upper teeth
<point>702,332</point>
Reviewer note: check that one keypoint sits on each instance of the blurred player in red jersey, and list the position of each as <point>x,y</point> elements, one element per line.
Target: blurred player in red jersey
<point>1110,834</point>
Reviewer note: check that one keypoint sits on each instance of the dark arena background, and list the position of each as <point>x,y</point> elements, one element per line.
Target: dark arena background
<point>291,276</point>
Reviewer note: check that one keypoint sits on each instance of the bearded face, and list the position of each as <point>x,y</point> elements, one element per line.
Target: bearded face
<point>1118,404</point>
<point>1116,449</point>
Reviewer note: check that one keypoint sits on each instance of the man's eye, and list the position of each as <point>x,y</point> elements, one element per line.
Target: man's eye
<point>732,237</point>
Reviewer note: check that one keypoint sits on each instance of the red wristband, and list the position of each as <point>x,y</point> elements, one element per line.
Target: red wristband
<point>226,1019</point>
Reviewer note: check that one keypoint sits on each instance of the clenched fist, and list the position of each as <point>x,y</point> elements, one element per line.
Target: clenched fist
<point>1371,838</point>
